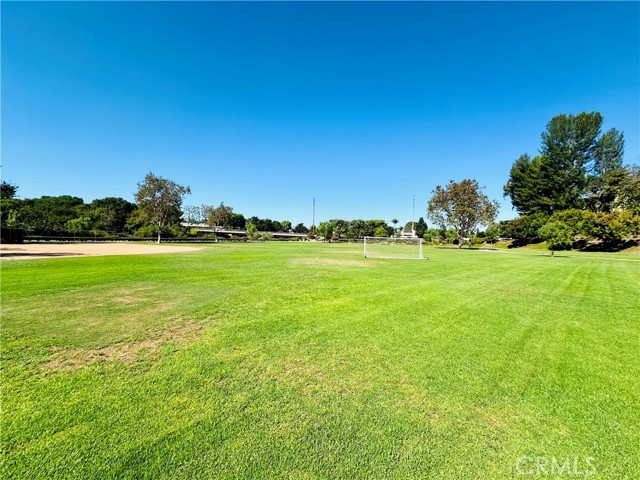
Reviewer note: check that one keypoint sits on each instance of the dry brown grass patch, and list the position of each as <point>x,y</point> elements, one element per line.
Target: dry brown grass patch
<point>66,359</point>
<point>331,262</point>
<point>499,419</point>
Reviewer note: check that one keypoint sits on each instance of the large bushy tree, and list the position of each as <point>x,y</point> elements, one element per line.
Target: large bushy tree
<point>237,221</point>
<point>159,201</point>
<point>219,216</point>
<point>557,179</point>
<point>523,229</point>
<point>356,228</point>
<point>628,196</point>
<point>300,228</point>
<point>266,224</point>
<point>42,216</point>
<point>608,152</point>
<point>7,190</point>
<point>461,206</point>
<point>110,214</point>
<point>557,234</point>
<point>421,227</point>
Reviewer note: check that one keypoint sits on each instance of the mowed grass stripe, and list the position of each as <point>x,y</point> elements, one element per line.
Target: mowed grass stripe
<point>446,368</point>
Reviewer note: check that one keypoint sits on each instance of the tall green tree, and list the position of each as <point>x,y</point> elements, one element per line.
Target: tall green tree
<point>570,140</point>
<point>371,226</point>
<point>603,191</point>
<point>529,192</point>
<point>605,181</point>
<point>325,230</point>
<point>421,227</point>
<point>629,194</point>
<point>356,228</point>
<point>340,227</point>
<point>608,152</point>
<point>300,228</point>
<point>237,221</point>
<point>219,216</point>
<point>461,206</point>
<point>557,179</point>
<point>110,213</point>
<point>159,201</point>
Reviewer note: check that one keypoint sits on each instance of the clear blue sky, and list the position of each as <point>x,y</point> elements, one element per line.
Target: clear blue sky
<point>266,105</point>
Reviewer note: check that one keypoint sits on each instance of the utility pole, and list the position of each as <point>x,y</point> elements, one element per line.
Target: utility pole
<point>413,215</point>
<point>313,224</point>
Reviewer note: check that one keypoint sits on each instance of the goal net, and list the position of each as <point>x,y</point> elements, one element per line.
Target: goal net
<point>392,247</point>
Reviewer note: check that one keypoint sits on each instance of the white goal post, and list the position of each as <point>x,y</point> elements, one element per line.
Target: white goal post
<point>393,247</point>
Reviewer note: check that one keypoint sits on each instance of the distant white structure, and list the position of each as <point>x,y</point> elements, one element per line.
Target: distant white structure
<point>408,233</point>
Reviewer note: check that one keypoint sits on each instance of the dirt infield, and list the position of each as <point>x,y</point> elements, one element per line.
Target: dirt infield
<point>30,251</point>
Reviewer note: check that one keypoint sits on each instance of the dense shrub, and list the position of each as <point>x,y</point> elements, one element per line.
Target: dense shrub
<point>558,235</point>
<point>614,227</point>
<point>451,235</point>
<point>492,234</point>
<point>431,235</point>
<point>146,231</point>
<point>175,231</point>
<point>524,229</point>
<point>577,220</point>
<point>381,232</point>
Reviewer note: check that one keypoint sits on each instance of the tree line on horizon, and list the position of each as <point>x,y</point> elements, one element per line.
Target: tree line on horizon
<point>574,191</point>
<point>69,216</point>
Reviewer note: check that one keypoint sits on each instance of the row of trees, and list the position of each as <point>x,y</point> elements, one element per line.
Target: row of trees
<point>350,229</point>
<point>67,215</point>
<point>157,212</point>
<point>223,216</point>
<point>576,189</point>
<point>338,229</point>
<point>577,168</point>
<point>610,229</point>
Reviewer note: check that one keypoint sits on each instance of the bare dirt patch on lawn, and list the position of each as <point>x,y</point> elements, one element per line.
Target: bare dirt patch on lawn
<point>71,359</point>
<point>331,262</point>
<point>31,251</point>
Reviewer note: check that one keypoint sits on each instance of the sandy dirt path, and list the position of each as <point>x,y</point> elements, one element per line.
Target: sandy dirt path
<point>30,251</point>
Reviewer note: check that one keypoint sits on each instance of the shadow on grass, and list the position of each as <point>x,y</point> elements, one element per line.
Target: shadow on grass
<point>38,254</point>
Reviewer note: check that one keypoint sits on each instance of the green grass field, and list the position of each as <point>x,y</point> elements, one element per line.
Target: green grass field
<point>300,360</point>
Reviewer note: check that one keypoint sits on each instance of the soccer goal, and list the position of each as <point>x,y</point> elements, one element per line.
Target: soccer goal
<point>393,247</point>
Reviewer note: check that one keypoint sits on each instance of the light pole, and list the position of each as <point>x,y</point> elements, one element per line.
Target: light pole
<point>413,216</point>
<point>313,223</point>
